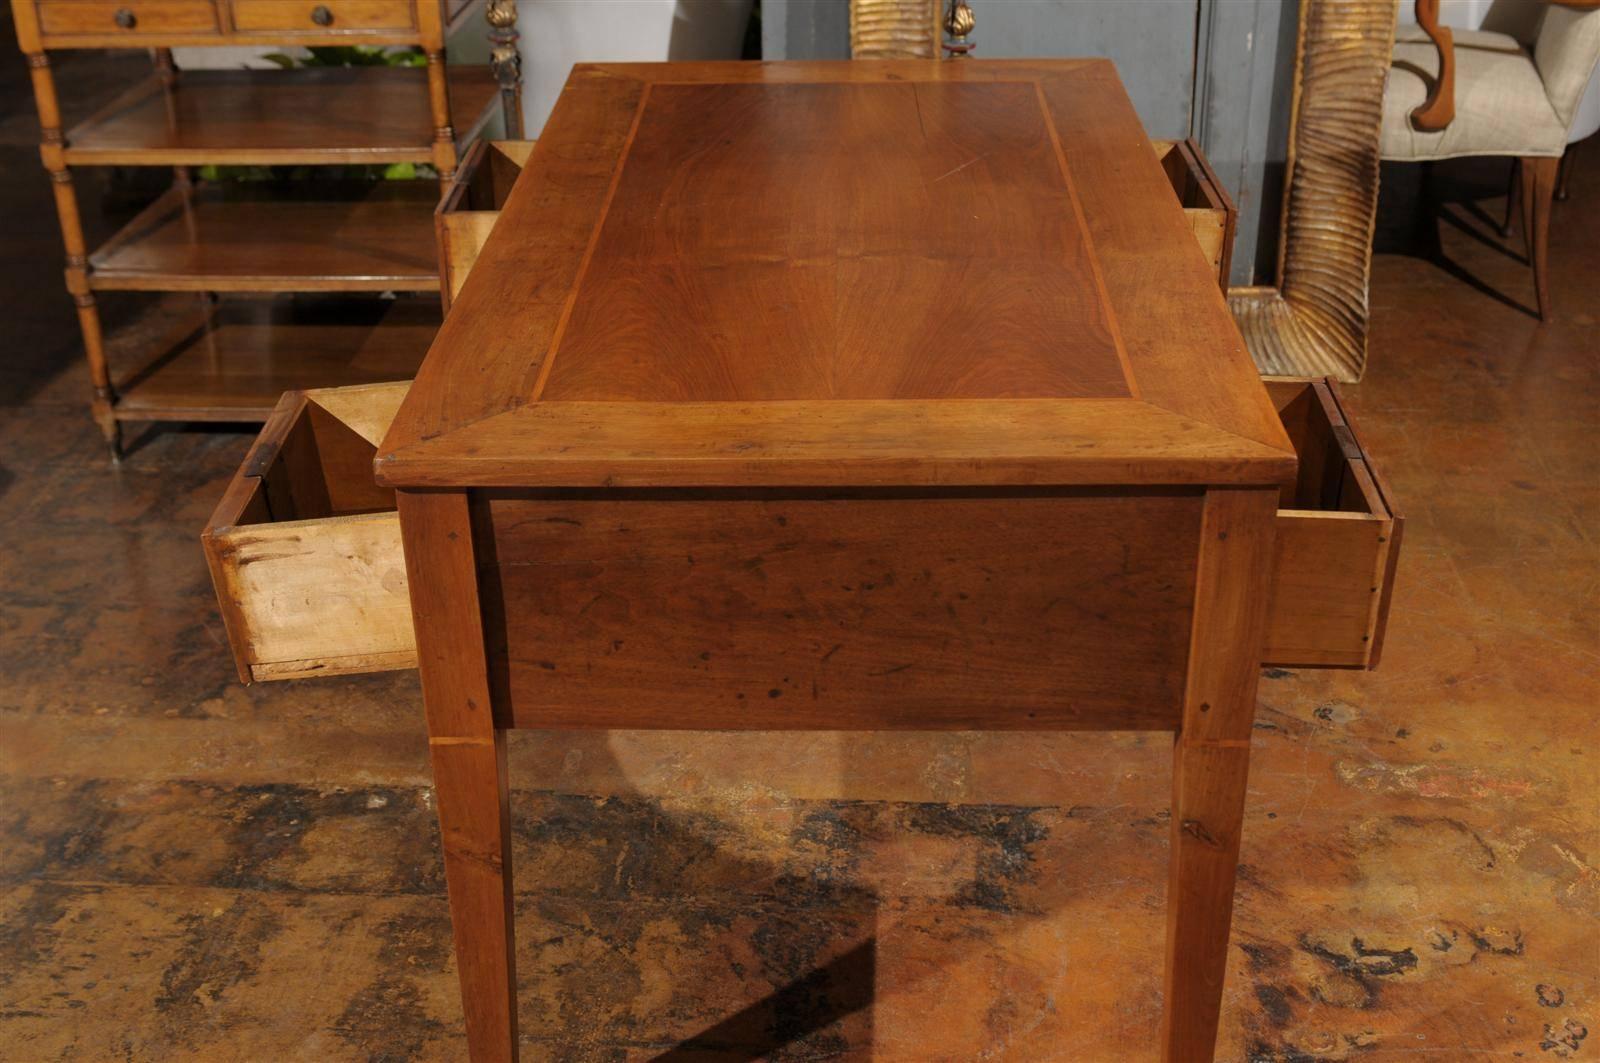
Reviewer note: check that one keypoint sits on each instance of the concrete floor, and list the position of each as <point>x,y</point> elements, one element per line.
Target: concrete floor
<point>195,870</point>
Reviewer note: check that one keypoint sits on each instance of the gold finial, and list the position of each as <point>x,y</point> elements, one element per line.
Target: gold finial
<point>958,22</point>
<point>502,14</point>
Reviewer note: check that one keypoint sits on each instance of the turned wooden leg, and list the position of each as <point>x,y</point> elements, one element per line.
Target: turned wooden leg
<point>52,153</point>
<point>1538,189</point>
<point>469,764</point>
<point>1211,761</point>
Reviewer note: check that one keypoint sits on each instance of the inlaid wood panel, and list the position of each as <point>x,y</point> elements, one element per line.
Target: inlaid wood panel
<point>792,239</point>
<point>915,240</point>
<point>1049,610</point>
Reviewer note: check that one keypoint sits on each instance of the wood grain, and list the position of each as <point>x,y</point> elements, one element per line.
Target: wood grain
<point>318,590</point>
<point>295,16</point>
<point>1338,541</point>
<point>216,239</point>
<point>77,18</point>
<point>234,360</point>
<point>1046,611</point>
<point>1211,760</point>
<point>840,442</point>
<point>305,554</point>
<point>266,117</point>
<point>909,232</point>
<point>469,768</point>
<point>897,241</point>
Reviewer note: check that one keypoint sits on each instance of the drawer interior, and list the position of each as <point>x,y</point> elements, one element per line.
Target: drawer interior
<point>304,548</point>
<point>1206,204</point>
<point>468,211</point>
<point>1338,540</point>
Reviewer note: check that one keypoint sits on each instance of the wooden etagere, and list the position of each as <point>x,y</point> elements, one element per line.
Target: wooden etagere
<point>251,250</point>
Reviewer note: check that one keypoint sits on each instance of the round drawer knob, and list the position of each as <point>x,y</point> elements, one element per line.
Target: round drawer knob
<point>321,15</point>
<point>125,18</point>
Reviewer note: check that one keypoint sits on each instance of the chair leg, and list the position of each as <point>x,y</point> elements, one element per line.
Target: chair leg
<point>1566,171</point>
<point>1513,196</point>
<point>1538,189</point>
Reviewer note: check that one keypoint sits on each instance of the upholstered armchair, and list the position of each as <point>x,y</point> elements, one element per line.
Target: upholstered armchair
<point>1488,92</point>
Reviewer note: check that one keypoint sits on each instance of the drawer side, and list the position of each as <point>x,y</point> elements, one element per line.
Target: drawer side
<point>1338,540</point>
<point>304,549</point>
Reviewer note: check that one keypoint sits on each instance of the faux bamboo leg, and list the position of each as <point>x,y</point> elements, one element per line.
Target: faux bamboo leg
<point>469,763</point>
<point>52,153</point>
<point>444,134</point>
<point>1211,761</point>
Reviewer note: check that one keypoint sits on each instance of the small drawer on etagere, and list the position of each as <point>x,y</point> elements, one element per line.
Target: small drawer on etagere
<point>323,16</point>
<point>470,207</point>
<point>126,18</point>
<point>304,548</point>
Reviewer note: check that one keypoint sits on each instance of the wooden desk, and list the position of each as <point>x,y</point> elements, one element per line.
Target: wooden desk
<point>831,396</point>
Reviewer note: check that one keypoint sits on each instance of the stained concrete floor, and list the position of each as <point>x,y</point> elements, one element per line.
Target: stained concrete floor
<point>195,870</point>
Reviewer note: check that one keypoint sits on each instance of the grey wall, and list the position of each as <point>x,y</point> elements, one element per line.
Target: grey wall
<point>1217,70</point>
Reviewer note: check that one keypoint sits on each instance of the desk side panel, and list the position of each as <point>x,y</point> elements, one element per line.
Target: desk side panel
<point>1051,610</point>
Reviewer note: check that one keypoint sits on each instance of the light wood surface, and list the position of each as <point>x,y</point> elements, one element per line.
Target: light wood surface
<point>240,238</point>
<point>471,205</point>
<point>305,553</point>
<point>233,361</point>
<point>613,277</point>
<point>322,16</point>
<point>131,20</point>
<point>311,115</point>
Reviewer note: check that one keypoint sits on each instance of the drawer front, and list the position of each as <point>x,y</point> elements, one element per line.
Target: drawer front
<point>322,16</point>
<point>132,18</point>
<point>1054,609</point>
<point>468,211</point>
<point>1338,541</point>
<point>304,549</point>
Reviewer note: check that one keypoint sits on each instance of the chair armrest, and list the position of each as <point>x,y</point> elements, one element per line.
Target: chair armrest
<point>1439,109</point>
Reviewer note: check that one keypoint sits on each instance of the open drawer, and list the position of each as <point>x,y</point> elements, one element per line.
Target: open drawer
<point>1205,202</point>
<point>470,207</point>
<point>1338,540</point>
<point>304,548</point>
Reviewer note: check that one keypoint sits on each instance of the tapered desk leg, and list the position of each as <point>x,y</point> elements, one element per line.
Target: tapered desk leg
<point>469,764</point>
<point>1211,762</point>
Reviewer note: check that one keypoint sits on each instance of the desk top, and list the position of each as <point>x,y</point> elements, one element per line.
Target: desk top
<point>859,273</point>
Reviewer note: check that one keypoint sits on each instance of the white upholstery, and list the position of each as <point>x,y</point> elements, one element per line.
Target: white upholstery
<point>1501,106</point>
<point>1565,53</point>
